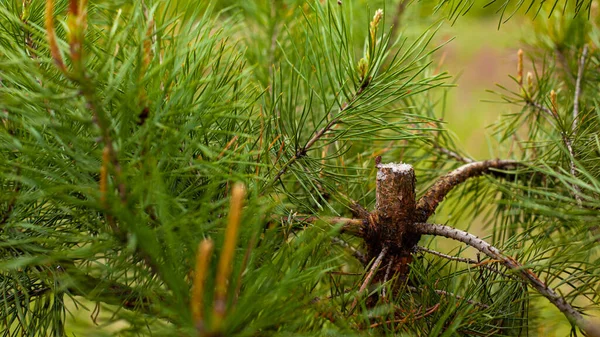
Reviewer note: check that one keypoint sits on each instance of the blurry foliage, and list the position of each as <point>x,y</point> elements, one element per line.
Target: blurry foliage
<point>115,168</point>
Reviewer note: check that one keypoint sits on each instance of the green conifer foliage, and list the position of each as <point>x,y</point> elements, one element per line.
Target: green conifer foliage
<point>223,168</point>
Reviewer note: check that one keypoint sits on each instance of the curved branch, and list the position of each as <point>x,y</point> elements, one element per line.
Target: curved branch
<point>571,313</point>
<point>428,203</point>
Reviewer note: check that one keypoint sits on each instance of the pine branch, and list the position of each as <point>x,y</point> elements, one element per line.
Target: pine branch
<point>365,81</point>
<point>428,203</point>
<point>79,76</point>
<point>156,169</point>
<point>561,304</point>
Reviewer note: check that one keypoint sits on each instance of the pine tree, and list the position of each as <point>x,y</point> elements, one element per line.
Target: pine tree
<point>274,168</point>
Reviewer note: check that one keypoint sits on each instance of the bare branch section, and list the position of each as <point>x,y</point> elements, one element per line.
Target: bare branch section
<point>573,315</point>
<point>436,193</point>
<point>395,202</point>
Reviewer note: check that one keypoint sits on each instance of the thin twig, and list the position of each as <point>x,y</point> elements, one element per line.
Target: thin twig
<point>568,144</point>
<point>369,276</point>
<point>552,116</point>
<point>80,77</point>
<point>101,120</point>
<point>428,203</point>
<point>463,259</point>
<point>578,87</point>
<point>445,256</point>
<point>571,313</point>
<point>386,277</point>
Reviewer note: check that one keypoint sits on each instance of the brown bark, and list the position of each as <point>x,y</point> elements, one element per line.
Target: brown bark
<point>388,225</point>
<point>436,193</point>
<point>395,206</point>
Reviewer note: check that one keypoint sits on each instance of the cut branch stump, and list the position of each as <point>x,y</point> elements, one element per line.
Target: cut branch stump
<point>389,224</point>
